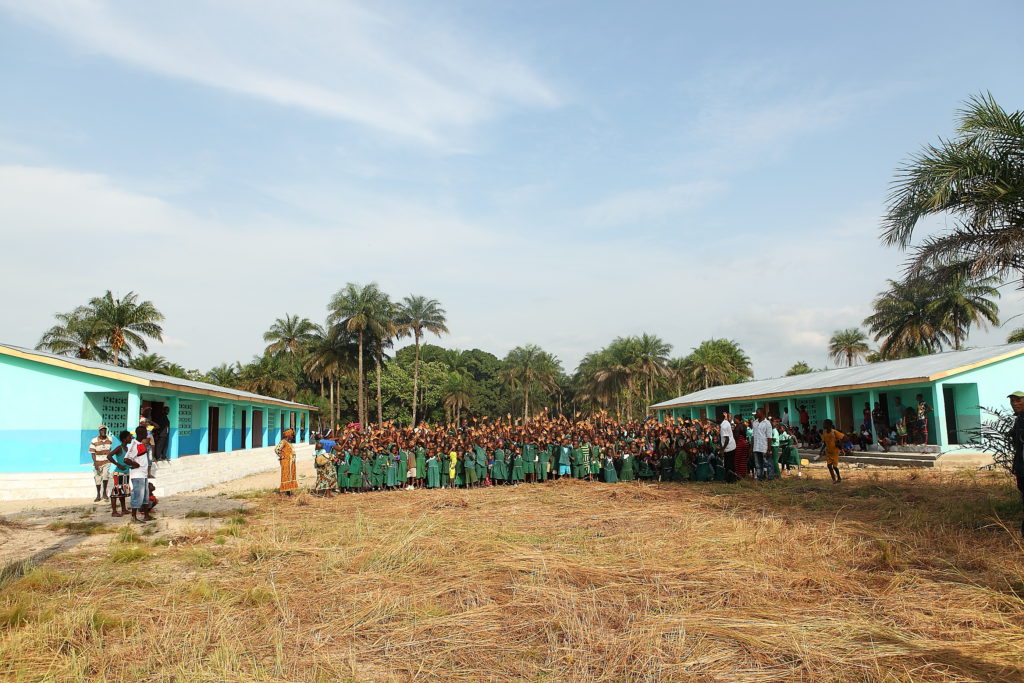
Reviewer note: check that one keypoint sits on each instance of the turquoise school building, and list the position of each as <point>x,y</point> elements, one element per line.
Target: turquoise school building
<point>955,384</point>
<point>51,407</point>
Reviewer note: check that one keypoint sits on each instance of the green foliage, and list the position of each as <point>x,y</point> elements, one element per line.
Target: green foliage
<point>848,345</point>
<point>714,363</point>
<point>922,314</point>
<point>1016,337</point>
<point>799,368</point>
<point>976,179</point>
<point>105,329</point>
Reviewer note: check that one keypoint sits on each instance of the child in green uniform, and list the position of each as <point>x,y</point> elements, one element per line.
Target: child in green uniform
<point>469,468</point>
<point>421,467</point>
<point>341,468</point>
<point>517,466</point>
<point>595,462</point>
<point>433,468</point>
<point>610,477</point>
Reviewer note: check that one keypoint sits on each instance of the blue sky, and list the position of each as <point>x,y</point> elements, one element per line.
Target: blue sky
<point>553,172</point>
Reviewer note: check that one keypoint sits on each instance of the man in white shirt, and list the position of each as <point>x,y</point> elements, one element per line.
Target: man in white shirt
<point>728,445</point>
<point>762,438</point>
<point>138,459</point>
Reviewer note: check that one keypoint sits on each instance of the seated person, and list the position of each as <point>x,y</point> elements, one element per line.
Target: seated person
<point>865,438</point>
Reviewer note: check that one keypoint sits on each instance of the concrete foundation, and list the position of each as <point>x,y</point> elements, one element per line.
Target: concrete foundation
<point>188,473</point>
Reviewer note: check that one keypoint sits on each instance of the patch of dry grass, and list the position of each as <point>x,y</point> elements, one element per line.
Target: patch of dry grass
<point>893,576</point>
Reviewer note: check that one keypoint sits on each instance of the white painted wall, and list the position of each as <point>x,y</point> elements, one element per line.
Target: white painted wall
<point>187,473</point>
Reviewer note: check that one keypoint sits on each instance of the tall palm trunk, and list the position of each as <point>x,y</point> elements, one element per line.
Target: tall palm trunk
<point>415,375</point>
<point>334,414</point>
<point>380,408</point>
<point>526,403</point>
<point>360,390</point>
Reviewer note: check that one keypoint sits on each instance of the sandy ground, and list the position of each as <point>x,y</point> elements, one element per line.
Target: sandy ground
<point>25,538</point>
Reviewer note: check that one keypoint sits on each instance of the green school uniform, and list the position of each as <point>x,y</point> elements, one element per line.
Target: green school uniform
<point>367,473</point>
<point>645,469</point>
<point>403,466</point>
<point>391,472</point>
<point>421,462</point>
<point>499,472</point>
<point>789,455</point>
<point>433,468</point>
<point>595,460</point>
<point>377,471</point>
<point>626,468</point>
<point>517,467</point>
<point>469,467</point>
<point>481,462</point>
<point>609,475</point>
<point>704,471</point>
<point>341,467</point>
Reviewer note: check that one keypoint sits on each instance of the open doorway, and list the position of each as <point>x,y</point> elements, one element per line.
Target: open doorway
<point>213,437</point>
<point>240,443</point>
<point>257,429</point>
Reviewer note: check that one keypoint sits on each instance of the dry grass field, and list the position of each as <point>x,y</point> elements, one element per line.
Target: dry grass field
<point>891,576</point>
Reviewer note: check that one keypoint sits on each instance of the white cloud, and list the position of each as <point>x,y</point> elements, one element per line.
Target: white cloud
<point>650,204</point>
<point>368,63</point>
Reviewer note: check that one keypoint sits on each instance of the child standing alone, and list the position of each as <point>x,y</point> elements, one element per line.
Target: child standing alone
<point>830,440</point>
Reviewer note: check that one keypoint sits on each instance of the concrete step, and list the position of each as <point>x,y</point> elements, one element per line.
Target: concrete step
<point>882,459</point>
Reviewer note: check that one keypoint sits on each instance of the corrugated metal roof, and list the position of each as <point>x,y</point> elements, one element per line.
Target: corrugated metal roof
<point>154,377</point>
<point>905,370</point>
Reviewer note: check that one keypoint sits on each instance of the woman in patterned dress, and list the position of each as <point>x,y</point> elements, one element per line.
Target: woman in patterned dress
<point>286,457</point>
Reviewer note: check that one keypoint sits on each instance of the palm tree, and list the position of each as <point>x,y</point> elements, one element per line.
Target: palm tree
<point>457,395</point>
<point>77,334</point>
<point>962,300</point>
<point>330,357</point>
<point>527,366</point>
<point>977,178</point>
<point>417,315</point>
<point>125,323</point>
<point>651,362</point>
<point>292,334</point>
<point>799,368</point>
<point>224,375</point>
<point>905,322</point>
<point>149,362</point>
<point>360,309</point>
<point>268,375</point>
<point>1016,337</point>
<point>715,362</point>
<point>850,345</point>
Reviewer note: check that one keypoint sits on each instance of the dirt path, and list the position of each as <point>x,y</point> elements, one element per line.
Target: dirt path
<point>31,530</point>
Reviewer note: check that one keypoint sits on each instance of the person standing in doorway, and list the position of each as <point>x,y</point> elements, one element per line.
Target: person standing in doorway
<point>162,433</point>
<point>805,420</point>
<point>923,410</point>
<point>99,449</point>
<point>1017,440</point>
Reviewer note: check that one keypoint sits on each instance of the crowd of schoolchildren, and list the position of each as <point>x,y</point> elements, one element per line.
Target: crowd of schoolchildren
<point>480,453</point>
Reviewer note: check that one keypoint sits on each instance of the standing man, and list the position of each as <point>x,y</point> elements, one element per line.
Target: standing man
<point>162,433</point>
<point>878,420</point>
<point>762,438</point>
<point>137,458</point>
<point>728,444</point>
<point>1017,439</point>
<point>805,420</point>
<point>99,449</point>
<point>923,409</point>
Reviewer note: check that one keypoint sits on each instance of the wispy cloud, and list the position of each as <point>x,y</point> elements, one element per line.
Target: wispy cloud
<point>650,204</point>
<point>367,63</point>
